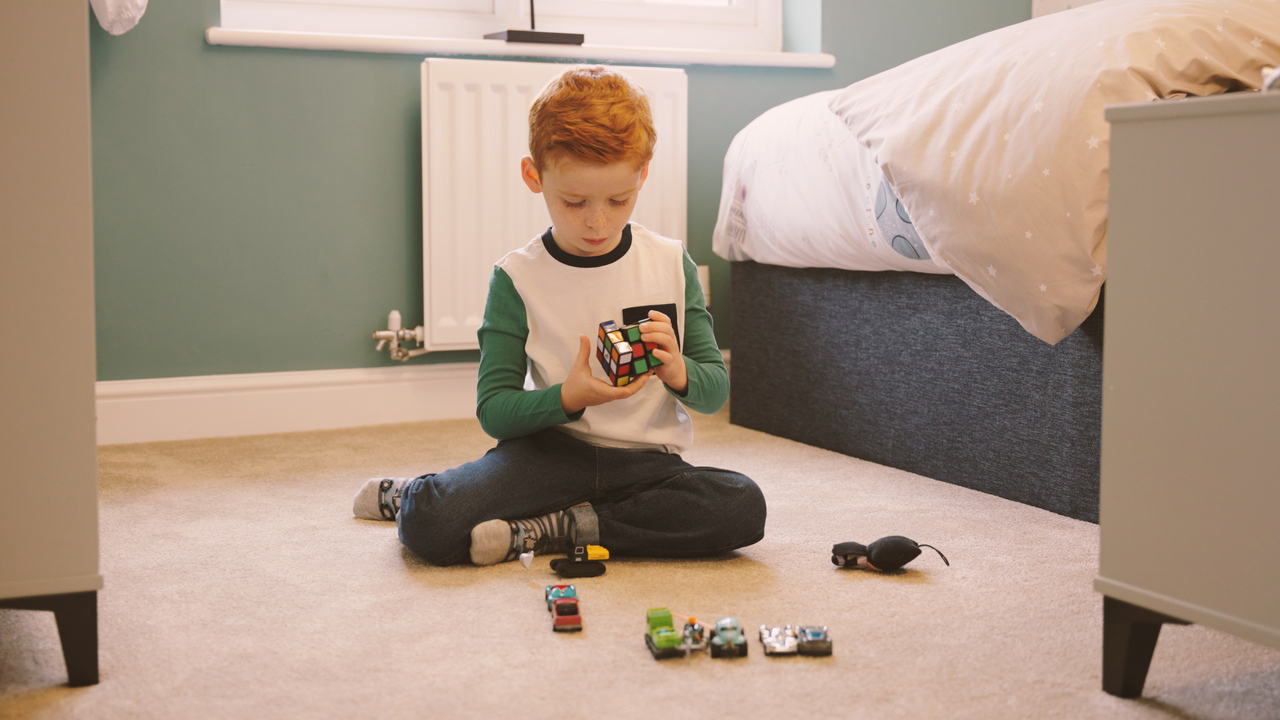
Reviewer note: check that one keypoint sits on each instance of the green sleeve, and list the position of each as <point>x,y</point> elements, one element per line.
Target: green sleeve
<point>708,377</point>
<point>505,409</point>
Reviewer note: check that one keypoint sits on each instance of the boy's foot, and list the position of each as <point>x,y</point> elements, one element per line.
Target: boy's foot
<point>379,499</point>
<point>499,541</point>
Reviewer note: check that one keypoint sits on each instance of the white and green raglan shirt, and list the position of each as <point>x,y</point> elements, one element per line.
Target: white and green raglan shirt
<point>542,298</point>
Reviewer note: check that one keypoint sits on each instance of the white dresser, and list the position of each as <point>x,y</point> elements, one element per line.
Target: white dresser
<point>1190,503</point>
<point>48,460</point>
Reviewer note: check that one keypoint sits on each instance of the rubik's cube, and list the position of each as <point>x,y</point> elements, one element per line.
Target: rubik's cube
<point>622,354</point>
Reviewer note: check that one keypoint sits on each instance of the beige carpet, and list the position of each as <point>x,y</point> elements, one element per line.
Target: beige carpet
<point>239,586</point>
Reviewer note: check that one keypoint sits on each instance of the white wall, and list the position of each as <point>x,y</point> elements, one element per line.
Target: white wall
<point>48,462</point>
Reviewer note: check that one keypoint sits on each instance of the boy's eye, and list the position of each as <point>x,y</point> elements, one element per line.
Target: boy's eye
<point>583,203</point>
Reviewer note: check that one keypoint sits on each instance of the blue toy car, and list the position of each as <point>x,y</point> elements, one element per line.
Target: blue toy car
<point>813,640</point>
<point>727,639</point>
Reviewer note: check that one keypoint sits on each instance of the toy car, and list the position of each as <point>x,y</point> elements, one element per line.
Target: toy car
<point>813,640</point>
<point>727,639</point>
<point>662,639</point>
<point>778,640</point>
<point>562,603</point>
<point>560,591</point>
<point>695,636</point>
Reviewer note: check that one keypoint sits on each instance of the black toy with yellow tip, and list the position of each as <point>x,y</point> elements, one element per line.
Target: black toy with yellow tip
<point>583,561</point>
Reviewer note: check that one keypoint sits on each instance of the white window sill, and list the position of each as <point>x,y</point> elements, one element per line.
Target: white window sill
<point>498,48</point>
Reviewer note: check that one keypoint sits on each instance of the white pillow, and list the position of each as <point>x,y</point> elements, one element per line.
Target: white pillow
<point>799,191</point>
<point>998,148</point>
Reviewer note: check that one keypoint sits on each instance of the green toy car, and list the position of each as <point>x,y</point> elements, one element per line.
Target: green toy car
<point>727,639</point>
<point>662,639</point>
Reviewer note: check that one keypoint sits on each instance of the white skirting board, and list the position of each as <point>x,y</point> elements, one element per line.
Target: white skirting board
<point>185,408</point>
<point>188,408</point>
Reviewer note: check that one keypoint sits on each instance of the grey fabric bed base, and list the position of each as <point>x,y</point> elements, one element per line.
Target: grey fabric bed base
<point>918,372</point>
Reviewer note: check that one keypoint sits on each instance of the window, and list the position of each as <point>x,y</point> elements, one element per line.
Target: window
<point>724,25</point>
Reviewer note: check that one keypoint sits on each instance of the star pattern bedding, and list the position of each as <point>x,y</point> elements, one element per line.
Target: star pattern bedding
<point>987,158</point>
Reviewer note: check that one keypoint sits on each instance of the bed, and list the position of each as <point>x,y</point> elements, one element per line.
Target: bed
<point>918,259</point>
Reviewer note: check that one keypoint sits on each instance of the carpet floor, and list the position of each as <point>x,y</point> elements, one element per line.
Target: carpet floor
<point>239,586</point>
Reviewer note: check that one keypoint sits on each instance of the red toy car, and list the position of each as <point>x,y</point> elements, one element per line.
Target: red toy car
<point>562,603</point>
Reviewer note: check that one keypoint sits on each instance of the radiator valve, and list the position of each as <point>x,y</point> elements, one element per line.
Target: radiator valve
<point>394,336</point>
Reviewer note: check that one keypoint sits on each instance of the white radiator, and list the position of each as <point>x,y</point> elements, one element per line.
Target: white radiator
<point>475,126</point>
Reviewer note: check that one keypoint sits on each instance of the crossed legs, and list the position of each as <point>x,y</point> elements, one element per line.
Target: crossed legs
<point>645,503</point>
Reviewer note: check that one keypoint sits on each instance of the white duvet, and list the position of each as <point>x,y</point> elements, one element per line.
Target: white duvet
<point>987,159</point>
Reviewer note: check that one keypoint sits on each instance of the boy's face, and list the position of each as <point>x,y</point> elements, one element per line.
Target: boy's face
<point>589,204</point>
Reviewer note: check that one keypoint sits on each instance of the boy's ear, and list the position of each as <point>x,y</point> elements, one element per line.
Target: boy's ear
<point>644,174</point>
<point>529,173</point>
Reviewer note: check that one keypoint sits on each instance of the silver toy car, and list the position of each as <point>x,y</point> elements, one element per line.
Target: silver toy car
<point>779,640</point>
<point>695,636</point>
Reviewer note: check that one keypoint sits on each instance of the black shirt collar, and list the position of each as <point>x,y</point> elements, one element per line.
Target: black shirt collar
<point>588,262</point>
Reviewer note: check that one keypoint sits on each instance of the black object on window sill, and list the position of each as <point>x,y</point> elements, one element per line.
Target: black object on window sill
<point>532,35</point>
<point>536,36</point>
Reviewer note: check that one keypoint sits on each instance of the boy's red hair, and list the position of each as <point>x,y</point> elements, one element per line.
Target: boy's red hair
<point>593,114</point>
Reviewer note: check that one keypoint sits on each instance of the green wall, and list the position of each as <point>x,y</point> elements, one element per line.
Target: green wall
<point>259,210</point>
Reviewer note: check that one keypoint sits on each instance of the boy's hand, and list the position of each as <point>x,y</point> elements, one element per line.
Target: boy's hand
<point>582,390</point>
<point>672,371</point>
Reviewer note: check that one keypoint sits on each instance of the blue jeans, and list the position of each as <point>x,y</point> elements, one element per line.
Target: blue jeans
<point>646,503</point>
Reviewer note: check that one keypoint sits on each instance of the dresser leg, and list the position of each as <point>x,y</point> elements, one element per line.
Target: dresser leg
<point>77,618</point>
<point>1129,635</point>
<point>78,629</point>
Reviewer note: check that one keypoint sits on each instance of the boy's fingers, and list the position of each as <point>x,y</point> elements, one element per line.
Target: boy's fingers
<point>666,356</point>
<point>634,386</point>
<point>657,326</point>
<point>584,350</point>
<point>626,391</point>
<point>665,335</point>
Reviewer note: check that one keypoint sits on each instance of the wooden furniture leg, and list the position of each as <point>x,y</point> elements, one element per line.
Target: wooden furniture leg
<point>77,618</point>
<point>1129,635</point>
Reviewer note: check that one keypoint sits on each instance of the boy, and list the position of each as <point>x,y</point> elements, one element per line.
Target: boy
<point>580,461</point>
